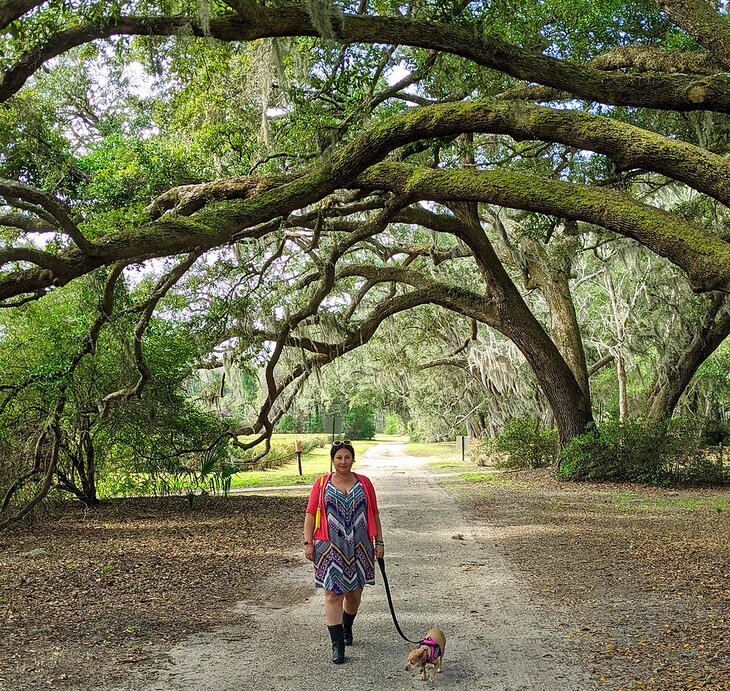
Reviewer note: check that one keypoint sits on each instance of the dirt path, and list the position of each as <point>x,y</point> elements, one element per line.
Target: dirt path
<point>498,638</point>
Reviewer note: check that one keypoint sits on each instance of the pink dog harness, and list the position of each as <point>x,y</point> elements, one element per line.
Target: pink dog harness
<point>434,649</point>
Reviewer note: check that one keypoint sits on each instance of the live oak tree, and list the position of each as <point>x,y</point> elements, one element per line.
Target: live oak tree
<point>323,167</point>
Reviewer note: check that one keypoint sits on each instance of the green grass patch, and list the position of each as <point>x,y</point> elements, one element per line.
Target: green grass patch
<point>314,464</point>
<point>451,466</point>
<point>631,502</point>
<point>487,478</point>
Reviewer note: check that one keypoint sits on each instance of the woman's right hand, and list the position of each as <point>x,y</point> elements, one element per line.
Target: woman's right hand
<point>309,552</point>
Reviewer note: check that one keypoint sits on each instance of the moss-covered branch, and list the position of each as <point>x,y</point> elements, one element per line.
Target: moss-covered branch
<point>253,202</point>
<point>704,257</point>
<point>702,22</point>
<point>671,92</point>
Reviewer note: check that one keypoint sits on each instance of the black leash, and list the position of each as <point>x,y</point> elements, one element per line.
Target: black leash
<point>381,563</point>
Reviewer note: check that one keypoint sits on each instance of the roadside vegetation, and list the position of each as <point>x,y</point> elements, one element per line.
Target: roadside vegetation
<point>314,463</point>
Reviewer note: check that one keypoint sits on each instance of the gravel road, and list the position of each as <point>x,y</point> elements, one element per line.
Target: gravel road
<point>443,570</point>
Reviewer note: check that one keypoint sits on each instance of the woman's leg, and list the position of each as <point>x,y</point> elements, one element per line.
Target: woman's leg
<point>352,601</point>
<point>333,617</point>
<point>351,604</point>
<point>333,607</point>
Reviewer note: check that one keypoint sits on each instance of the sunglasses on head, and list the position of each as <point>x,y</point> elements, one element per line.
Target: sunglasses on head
<point>340,444</point>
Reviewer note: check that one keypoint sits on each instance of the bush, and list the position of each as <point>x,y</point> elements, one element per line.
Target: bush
<point>523,445</point>
<point>392,424</point>
<point>480,451</point>
<point>359,423</point>
<point>653,453</point>
<point>688,461</point>
<point>715,432</point>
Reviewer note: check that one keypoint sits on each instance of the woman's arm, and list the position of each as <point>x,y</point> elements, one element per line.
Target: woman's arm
<point>379,546</point>
<point>309,536</point>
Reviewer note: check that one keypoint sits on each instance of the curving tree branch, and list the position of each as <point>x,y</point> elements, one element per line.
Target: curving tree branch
<point>147,310</point>
<point>704,257</point>
<point>10,10</point>
<point>54,209</point>
<point>262,201</point>
<point>670,92</point>
<point>27,223</point>
<point>700,20</point>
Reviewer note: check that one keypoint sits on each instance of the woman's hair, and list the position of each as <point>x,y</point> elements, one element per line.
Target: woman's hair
<point>342,445</point>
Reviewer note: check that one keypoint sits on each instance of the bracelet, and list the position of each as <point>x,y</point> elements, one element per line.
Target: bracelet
<point>380,543</point>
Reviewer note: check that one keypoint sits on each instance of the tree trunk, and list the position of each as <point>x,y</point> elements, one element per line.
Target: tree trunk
<point>665,394</point>
<point>554,284</point>
<point>569,402</point>
<point>86,464</point>
<point>570,406</point>
<point>623,406</point>
<point>619,322</point>
<point>90,455</point>
<point>82,479</point>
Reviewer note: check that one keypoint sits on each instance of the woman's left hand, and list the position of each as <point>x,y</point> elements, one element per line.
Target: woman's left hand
<point>379,551</point>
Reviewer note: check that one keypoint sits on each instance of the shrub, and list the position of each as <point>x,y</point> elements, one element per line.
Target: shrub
<point>688,461</point>
<point>622,452</point>
<point>524,445</point>
<point>654,453</point>
<point>480,451</point>
<point>715,432</point>
<point>359,423</point>
<point>392,424</point>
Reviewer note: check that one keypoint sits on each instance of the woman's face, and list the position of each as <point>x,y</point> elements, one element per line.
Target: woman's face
<point>343,460</point>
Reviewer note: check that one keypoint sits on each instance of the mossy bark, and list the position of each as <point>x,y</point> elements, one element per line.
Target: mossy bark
<point>704,257</point>
<point>667,92</point>
<point>508,313</point>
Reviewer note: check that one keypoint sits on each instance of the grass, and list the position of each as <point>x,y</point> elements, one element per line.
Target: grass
<point>313,464</point>
<point>630,502</point>
<point>445,457</point>
<point>488,478</point>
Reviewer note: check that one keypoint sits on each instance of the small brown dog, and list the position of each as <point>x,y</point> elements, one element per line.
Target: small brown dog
<point>429,651</point>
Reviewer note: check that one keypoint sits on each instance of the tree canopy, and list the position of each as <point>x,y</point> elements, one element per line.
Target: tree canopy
<point>291,177</point>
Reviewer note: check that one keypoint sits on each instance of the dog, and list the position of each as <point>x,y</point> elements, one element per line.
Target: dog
<point>429,651</point>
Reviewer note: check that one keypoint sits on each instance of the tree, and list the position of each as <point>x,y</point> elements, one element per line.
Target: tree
<point>69,362</point>
<point>365,197</point>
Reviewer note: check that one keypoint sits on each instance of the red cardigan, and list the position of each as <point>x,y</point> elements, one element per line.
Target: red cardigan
<point>316,497</point>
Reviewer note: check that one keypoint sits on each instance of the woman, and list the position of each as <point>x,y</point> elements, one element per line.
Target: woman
<point>339,528</point>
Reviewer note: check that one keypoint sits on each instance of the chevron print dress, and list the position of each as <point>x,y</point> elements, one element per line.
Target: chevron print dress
<point>346,561</point>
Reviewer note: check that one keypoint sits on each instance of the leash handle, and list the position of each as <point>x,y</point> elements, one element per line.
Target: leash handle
<point>381,564</point>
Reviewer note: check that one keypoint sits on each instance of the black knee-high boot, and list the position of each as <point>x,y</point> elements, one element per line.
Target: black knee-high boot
<point>337,634</point>
<point>347,620</point>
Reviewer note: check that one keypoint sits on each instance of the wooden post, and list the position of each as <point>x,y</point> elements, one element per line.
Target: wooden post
<point>298,450</point>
